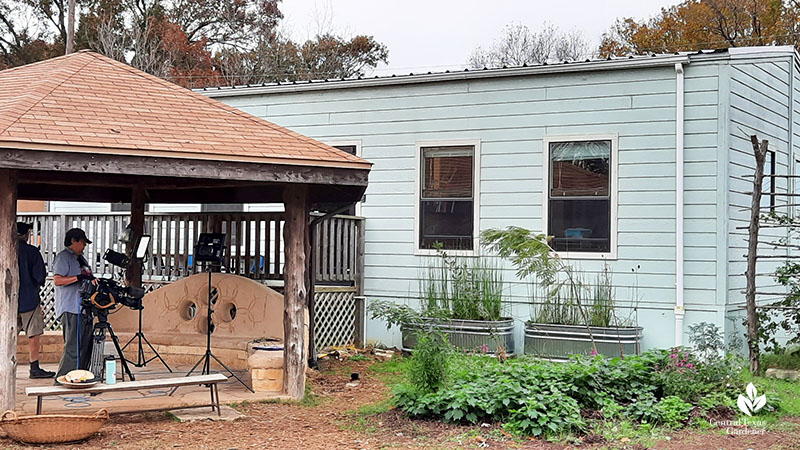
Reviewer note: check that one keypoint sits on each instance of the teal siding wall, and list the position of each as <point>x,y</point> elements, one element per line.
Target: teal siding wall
<point>510,116</point>
<point>761,104</point>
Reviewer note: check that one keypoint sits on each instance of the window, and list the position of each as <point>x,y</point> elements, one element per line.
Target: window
<point>580,195</point>
<point>768,185</point>
<point>353,150</point>
<point>446,200</point>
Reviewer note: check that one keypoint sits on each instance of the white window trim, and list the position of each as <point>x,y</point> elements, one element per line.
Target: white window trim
<point>476,194</point>
<point>613,194</point>
<point>357,144</point>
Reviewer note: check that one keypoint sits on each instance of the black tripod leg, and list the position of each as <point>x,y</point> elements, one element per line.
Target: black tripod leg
<point>189,373</point>
<point>122,360</point>
<point>231,372</point>
<point>156,353</point>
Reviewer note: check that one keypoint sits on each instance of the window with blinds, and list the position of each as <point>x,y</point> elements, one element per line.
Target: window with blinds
<point>446,200</point>
<point>579,201</point>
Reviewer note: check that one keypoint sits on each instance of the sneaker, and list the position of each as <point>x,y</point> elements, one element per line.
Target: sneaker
<point>41,373</point>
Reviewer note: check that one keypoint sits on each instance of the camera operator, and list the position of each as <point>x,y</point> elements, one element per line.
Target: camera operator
<point>69,269</point>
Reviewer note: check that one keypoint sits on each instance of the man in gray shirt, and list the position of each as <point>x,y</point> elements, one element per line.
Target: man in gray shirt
<point>69,269</point>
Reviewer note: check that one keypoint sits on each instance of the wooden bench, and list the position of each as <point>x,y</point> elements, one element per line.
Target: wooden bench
<point>211,380</point>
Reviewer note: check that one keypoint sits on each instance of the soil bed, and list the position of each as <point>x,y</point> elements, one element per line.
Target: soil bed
<point>336,416</point>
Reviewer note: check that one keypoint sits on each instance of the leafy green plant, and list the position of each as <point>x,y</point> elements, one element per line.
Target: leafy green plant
<point>643,409</point>
<point>707,340</point>
<point>672,411</point>
<point>428,366</point>
<point>545,414</point>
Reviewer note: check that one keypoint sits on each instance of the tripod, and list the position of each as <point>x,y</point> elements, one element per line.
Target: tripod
<point>98,347</point>
<point>209,355</point>
<point>140,358</point>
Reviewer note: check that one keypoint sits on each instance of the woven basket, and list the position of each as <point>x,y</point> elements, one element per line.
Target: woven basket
<point>51,428</point>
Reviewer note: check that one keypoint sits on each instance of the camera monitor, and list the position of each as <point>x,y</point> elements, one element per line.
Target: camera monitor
<point>141,247</point>
<point>210,247</point>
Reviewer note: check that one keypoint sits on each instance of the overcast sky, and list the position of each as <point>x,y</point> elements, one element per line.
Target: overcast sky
<point>441,34</point>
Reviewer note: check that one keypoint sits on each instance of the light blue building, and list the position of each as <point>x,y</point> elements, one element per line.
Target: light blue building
<point>639,163</point>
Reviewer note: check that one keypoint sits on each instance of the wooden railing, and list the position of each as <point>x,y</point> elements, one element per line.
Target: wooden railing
<point>254,250</point>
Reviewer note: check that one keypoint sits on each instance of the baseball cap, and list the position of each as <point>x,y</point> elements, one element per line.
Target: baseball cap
<point>77,234</point>
<point>23,228</point>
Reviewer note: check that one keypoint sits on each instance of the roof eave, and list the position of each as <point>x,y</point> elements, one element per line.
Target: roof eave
<point>615,64</point>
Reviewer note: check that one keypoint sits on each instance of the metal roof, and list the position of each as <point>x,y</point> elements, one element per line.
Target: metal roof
<point>615,63</point>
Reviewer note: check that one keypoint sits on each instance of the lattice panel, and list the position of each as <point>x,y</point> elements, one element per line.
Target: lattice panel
<point>48,296</point>
<point>334,319</point>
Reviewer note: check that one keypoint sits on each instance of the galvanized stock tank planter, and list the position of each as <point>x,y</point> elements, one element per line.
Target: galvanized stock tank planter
<point>559,342</point>
<point>485,336</point>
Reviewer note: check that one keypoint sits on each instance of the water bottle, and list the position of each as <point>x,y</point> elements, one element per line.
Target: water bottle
<point>111,370</point>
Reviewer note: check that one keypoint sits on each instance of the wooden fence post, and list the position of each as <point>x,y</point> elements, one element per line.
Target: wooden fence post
<point>295,199</point>
<point>9,274</point>
<point>760,153</point>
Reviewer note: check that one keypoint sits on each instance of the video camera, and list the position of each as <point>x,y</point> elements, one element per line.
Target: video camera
<point>104,294</point>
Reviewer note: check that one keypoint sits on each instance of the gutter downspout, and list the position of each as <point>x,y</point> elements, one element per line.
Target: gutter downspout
<point>679,116</point>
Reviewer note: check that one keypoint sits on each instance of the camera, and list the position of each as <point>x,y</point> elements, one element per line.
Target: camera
<point>104,294</point>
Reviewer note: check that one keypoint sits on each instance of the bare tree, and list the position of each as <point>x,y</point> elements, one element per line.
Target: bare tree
<point>519,45</point>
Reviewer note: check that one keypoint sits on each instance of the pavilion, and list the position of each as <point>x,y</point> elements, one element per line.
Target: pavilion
<point>84,127</point>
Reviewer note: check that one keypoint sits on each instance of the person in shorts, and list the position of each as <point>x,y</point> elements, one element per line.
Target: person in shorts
<point>30,318</point>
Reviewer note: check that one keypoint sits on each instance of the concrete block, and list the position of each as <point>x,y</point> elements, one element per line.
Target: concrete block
<point>264,359</point>
<point>783,374</point>
<point>194,414</point>
<point>268,385</point>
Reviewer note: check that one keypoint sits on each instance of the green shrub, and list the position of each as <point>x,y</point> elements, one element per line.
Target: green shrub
<point>644,409</point>
<point>545,414</point>
<point>684,375</point>
<point>715,400</point>
<point>780,361</point>
<point>673,411</point>
<point>428,365</point>
<point>535,397</point>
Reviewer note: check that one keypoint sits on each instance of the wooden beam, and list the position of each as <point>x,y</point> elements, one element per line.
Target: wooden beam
<point>95,163</point>
<point>9,274</point>
<point>295,290</point>
<point>138,198</point>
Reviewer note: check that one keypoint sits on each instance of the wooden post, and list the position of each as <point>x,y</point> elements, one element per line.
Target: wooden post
<point>9,274</point>
<point>134,272</point>
<point>295,200</point>
<point>312,296</point>
<point>760,153</point>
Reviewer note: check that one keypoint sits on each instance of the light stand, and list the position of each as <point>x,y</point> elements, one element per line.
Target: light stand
<point>209,250</point>
<point>140,358</point>
<point>137,257</point>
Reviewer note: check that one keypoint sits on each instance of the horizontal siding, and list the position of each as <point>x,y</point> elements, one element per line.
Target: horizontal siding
<point>511,117</point>
<point>759,104</point>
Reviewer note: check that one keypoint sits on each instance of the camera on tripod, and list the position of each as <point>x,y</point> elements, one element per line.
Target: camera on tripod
<point>105,294</point>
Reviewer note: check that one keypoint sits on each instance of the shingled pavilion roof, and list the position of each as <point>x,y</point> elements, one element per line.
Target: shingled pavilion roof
<point>91,103</point>
<point>84,127</point>
<point>88,120</point>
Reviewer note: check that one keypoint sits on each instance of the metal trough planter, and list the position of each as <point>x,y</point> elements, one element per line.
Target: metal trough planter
<point>471,335</point>
<point>559,342</point>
